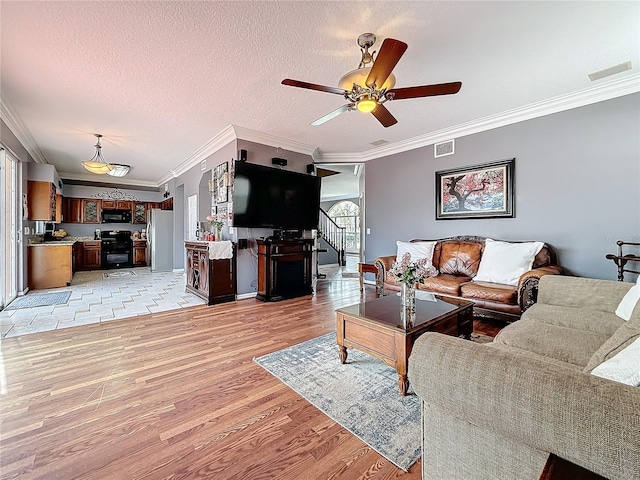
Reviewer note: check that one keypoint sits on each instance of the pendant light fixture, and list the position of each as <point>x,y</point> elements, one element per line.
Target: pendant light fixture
<point>97,164</point>
<point>119,170</point>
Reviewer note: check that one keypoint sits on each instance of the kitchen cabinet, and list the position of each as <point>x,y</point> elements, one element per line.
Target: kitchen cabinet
<point>58,208</point>
<point>212,280</point>
<point>139,253</point>
<point>117,204</point>
<point>167,204</point>
<point>91,255</point>
<point>91,210</point>
<point>49,265</point>
<point>139,213</point>
<point>72,210</point>
<point>41,201</point>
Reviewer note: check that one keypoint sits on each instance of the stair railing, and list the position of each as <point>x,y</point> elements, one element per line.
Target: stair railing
<point>334,235</point>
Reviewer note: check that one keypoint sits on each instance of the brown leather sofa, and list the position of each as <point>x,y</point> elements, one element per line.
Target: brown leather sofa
<point>457,260</point>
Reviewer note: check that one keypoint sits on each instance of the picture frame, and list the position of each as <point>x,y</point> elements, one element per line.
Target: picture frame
<point>478,191</point>
<point>220,179</point>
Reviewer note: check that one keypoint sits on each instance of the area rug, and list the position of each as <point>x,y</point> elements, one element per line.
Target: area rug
<point>361,395</point>
<point>39,300</point>
<point>118,274</point>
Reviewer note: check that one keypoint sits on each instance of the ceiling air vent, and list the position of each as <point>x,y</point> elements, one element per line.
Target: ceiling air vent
<point>443,149</point>
<point>607,72</point>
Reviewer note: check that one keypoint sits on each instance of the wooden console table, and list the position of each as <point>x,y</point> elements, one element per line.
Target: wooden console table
<point>214,281</point>
<point>284,269</point>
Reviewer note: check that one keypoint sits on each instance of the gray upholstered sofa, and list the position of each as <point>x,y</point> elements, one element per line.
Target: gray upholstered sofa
<point>497,410</point>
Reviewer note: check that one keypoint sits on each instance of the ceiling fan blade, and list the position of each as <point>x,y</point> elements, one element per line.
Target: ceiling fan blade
<point>330,115</point>
<point>384,116</point>
<point>426,90</point>
<point>387,58</point>
<point>312,86</point>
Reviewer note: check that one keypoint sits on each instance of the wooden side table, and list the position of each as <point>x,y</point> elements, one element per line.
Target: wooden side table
<point>365,268</point>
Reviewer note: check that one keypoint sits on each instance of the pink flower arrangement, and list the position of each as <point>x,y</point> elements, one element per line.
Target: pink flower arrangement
<point>412,272</point>
<point>215,222</point>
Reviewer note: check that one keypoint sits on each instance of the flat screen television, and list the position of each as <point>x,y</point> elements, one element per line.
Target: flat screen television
<point>265,197</point>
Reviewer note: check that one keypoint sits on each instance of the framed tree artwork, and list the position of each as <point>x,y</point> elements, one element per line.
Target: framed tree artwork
<point>480,191</point>
<point>220,178</point>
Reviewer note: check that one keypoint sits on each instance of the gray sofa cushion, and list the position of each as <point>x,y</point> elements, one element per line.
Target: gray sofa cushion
<point>588,319</point>
<point>568,345</point>
<point>603,295</point>
<point>627,333</point>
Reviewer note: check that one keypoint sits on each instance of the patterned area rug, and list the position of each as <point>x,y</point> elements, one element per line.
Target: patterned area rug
<point>361,395</point>
<point>39,300</point>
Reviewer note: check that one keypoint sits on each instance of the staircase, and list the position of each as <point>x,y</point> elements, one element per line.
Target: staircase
<point>334,235</point>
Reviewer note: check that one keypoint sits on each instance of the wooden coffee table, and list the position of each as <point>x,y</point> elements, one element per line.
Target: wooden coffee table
<point>375,327</point>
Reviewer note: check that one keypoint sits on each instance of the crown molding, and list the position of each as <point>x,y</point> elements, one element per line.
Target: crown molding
<point>617,88</point>
<point>249,135</point>
<point>107,179</point>
<point>20,131</point>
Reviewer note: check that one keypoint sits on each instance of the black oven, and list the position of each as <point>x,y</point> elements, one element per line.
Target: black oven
<point>116,216</point>
<point>117,249</point>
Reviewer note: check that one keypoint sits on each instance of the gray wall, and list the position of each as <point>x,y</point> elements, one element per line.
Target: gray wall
<point>577,186</point>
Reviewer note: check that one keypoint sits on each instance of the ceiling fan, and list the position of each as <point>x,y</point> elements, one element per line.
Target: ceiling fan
<point>368,87</point>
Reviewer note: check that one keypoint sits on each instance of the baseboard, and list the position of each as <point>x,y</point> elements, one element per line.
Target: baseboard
<point>178,270</point>
<point>244,296</point>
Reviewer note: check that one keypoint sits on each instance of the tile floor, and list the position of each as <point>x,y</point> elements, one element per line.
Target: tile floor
<point>95,298</point>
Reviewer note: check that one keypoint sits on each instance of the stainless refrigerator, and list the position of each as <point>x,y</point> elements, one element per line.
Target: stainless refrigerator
<point>160,240</point>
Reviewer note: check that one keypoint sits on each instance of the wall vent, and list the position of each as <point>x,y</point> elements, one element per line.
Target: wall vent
<point>443,149</point>
<point>203,165</point>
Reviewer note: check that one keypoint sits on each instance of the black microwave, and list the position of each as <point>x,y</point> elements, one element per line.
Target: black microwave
<point>116,216</point>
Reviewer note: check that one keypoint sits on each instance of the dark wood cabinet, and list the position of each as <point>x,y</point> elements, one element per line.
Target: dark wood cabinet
<point>167,204</point>
<point>139,253</point>
<point>41,201</point>
<point>139,213</point>
<point>212,280</point>
<point>91,255</point>
<point>91,210</point>
<point>117,204</point>
<point>72,210</point>
<point>284,269</point>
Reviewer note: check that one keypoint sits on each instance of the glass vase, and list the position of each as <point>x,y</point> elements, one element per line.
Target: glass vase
<point>408,303</point>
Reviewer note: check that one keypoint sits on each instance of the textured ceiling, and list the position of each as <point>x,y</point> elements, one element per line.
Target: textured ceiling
<point>160,79</point>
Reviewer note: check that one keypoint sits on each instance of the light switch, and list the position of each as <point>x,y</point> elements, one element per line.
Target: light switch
<point>26,230</point>
<point>231,230</point>
<point>368,231</point>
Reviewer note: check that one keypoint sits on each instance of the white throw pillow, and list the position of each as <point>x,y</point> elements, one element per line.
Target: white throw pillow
<point>505,262</point>
<point>417,250</point>
<point>623,368</point>
<point>628,302</point>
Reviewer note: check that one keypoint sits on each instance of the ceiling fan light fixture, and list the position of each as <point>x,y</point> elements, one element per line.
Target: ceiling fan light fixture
<point>97,164</point>
<point>359,76</point>
<point>367,104</point>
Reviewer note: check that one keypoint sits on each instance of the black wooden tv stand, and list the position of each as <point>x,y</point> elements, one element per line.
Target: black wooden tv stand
<point>284,268</point>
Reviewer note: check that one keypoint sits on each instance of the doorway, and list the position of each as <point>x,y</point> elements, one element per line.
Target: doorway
<point>9,228</point>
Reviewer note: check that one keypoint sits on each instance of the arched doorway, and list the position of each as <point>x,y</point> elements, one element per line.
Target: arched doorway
<point>346,214</point>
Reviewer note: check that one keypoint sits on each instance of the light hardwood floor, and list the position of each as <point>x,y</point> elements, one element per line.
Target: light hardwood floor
<point>176,395</point>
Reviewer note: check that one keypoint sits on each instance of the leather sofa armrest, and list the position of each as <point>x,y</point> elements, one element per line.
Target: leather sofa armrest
<point>585,419</point>
<point>528,284</point>
<point>383,264</point>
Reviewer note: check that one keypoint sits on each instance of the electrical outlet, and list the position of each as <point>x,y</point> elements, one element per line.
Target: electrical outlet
<point>231,230</point>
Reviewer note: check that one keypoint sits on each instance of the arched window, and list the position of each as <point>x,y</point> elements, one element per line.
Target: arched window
<point>347,214</point>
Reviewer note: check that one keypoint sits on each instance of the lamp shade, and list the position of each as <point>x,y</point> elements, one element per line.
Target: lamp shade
<point>119,170</point>
<point>99,168</point>
<point>359,76</point>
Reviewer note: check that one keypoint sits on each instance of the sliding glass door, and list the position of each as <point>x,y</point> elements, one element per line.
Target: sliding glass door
<point>8,228</point>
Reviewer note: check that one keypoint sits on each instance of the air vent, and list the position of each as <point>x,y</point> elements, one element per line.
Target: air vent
<point>378,143</point>
<point>443,149</point>
<point>203,165</point>
<point>607,72</point>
